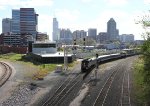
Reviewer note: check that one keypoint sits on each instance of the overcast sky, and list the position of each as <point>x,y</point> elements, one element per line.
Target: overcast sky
<point>82,14</point>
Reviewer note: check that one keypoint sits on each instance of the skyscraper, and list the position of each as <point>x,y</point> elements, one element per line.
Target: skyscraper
<point>66,36</point>
<point>55,32</point>
<point>127,38</point>
<point>6,25</point>
<point>28,21</point>
<point>92,32</point>
<point>78,34</point>
<point>15,21</point>
<point>111,30</point>
<point>25,21</point>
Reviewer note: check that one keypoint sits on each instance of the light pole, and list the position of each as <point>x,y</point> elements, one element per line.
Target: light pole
<point>96,67</point>
<point>65,58</point>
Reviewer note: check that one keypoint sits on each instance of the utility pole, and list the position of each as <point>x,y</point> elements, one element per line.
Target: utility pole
<point>65,58</point>
<point>96,67</point>
<point>84,44</point>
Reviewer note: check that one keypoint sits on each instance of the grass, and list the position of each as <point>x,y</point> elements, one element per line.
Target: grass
<point>139,85</point>
<point>42,69</point>
<point>11,56</point>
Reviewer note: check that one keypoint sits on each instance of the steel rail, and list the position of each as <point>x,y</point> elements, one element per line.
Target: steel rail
<point>58,91</point>
<point>125,91</point>
<point>7,71</point>
<point>59,94</point>
<point>105,89</point>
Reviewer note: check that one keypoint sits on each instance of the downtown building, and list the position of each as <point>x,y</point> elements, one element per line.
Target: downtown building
<point>92,33</point>
<point>6,25</point>
<point>79,34</point>
<point>56,31</point>
<point>102,37</point>
<point>113,33</point>
<point>65,36</point>
<point>127,38</point>
<point>25,21</point>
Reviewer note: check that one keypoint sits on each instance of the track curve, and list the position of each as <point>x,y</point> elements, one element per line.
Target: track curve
<point>6,73</point>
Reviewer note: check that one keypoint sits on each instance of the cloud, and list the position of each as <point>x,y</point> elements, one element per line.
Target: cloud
<point>116,2</point>
<point>36,3</point>
<point>9,2</point>
<point>45,24</point>
<point>69,15</point>
<point>147,1</point>
<point>86,1</point>
<point>25,3</point>
<point>2,8</point>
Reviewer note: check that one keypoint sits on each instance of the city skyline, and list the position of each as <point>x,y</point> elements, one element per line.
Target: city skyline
<point>82,14</point>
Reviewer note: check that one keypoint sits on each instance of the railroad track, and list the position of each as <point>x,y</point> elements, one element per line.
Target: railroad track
<point>125,91</point>
<point>101,98</point>
<point>6,73</point>
<point>63,90</point>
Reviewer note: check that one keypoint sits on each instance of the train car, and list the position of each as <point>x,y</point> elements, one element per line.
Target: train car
<point>103,58</point>
<point>89,63</point>
<point>115,56</point>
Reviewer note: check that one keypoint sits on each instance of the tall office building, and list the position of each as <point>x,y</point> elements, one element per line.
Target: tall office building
<point>78,34</point>
<point>15,21</point>
<point>127,38</point>
<point>55,33</point>
<point>28,21</point>
<point>92,32</point>
<point>111,30</point>
<point>6,25</point>
<point>102,37</point>
<point>24,21</point>
<point>66,36</point>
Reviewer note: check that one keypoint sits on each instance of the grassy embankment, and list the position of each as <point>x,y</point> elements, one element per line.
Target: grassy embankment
<point>42,69</point>
<point>140,87</point>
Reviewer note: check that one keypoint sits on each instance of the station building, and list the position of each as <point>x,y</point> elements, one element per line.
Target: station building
<point>46,52</point>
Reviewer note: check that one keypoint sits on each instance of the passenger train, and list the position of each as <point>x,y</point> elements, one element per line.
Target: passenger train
<point>90,63</point>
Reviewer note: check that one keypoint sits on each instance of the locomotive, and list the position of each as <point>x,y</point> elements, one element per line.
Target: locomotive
<point>87,64</point>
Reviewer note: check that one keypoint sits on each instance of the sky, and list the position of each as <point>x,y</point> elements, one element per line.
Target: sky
<point>82,14</point>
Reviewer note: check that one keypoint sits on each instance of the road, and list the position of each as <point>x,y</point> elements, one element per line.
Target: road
<point>112,88</point>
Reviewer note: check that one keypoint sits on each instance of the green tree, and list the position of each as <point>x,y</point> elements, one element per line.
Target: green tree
<point>145,48</point>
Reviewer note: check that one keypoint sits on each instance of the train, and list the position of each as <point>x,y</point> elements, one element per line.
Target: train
<point>89,63</point>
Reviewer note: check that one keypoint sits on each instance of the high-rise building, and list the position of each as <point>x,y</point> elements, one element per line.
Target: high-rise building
<point>92,32</point>
<point>127,38</point>
<point>66,36</point>
<point>28,21</point>
<point>55,33</point>
<point>15,21</point>
<point>25,21</point>
<point>102,37</point>
<point>79,34</point>
<point>111,30</point>
<point>6,25</point>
